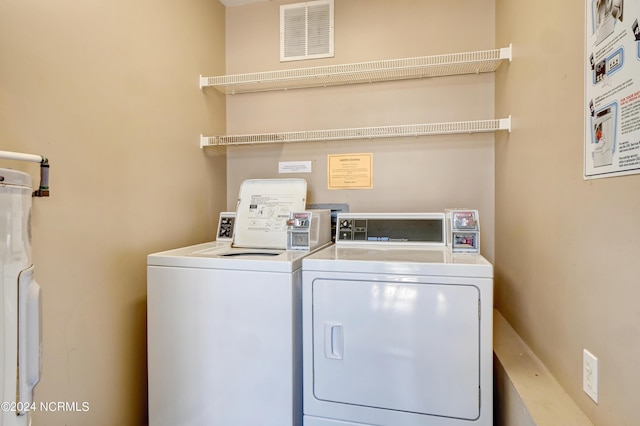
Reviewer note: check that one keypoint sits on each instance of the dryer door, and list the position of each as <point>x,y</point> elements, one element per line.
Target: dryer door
<point>404,346</point>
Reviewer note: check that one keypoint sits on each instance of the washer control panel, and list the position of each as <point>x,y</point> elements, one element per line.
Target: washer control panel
<point>225,226</point>
<point>309,229</point>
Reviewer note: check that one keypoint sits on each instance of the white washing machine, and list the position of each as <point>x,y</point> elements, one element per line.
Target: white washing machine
<point>397,329</point>
<point>20,303</point>
<point>224,322</point>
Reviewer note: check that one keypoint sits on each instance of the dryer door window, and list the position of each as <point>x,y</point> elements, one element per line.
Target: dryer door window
<point>402,346</point>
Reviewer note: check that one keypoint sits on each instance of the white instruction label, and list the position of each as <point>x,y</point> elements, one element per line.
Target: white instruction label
<point>294,167</point>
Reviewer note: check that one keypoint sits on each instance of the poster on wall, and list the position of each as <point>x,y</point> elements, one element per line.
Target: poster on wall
<point>350,171</point>
<point>612,88</point>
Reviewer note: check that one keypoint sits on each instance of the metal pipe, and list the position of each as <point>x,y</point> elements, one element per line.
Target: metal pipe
<point>43,190</point>
<point>7,155</point>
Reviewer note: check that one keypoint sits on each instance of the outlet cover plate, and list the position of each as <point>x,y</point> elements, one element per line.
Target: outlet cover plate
<point>590,374</point>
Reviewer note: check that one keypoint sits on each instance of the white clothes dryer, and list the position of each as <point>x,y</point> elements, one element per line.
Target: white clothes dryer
<point>397,329</point>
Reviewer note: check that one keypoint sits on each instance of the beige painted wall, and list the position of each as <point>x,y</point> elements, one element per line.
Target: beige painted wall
<point>566,249</point>
<point>409,174</point>
<point>109,92</point>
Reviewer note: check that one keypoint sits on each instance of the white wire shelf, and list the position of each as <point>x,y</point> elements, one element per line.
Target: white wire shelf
<point>362,72</point>
<point>459,127</point>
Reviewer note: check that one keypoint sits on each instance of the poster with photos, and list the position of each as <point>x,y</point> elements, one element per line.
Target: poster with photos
<point>612,88</point>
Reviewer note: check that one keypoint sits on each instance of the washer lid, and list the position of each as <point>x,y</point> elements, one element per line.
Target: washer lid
<point>263,210</point>
<point>217,255</point>
<point>14,177</point>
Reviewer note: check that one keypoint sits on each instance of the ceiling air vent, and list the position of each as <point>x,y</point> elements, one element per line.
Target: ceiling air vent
<point>306,30</point>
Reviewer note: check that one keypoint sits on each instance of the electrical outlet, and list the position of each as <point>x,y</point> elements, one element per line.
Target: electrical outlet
<point>590,374</point>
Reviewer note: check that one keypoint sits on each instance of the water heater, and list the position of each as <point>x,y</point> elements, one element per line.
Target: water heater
<point>20,302</point>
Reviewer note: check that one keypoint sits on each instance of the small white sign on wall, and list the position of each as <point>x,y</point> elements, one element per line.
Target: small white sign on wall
<point>294,167</point>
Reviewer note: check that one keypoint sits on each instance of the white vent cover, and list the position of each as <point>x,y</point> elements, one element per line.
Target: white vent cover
<point>306,30</point>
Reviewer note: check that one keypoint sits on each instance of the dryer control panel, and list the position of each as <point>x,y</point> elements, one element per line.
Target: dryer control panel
<point>463,230</point>
<point>390,228</point>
